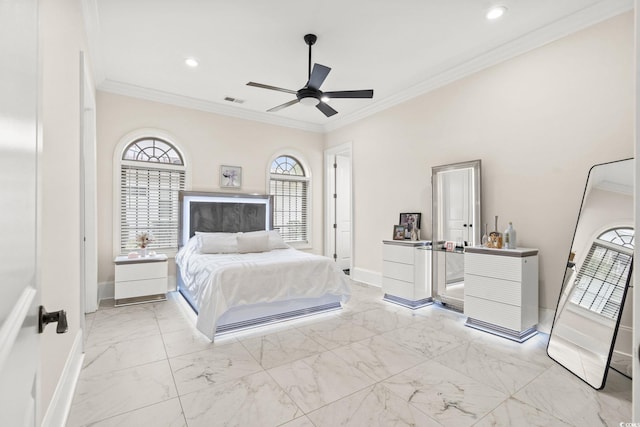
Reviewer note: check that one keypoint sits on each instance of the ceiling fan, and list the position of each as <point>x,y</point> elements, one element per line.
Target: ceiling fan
<point>311,94</point>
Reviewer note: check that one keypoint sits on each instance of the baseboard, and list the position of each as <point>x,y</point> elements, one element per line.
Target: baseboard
<point>545,319</point>
<point>105,291</point>
<point>369,277</point>
<point>60,405</point>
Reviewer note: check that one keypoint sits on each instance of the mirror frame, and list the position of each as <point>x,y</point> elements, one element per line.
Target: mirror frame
<point>476,166</point>
<point>565,284</point>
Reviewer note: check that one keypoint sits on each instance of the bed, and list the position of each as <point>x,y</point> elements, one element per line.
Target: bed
<point>237,273</point>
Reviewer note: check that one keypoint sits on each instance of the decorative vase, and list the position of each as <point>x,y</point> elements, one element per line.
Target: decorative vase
<point>510,237</point>
<point>143,252</point>
<point>414,233</point>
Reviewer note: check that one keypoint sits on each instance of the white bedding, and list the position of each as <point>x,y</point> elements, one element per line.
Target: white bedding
<point>218,282</point>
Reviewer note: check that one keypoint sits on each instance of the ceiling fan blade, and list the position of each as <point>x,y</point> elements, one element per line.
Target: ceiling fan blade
<point>318,74</point>
<point>281,106</point>
<point>326,109</point>
<point>368,93</point>
<point>279,89</point>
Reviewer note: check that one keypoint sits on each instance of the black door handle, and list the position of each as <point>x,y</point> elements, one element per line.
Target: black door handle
<point>45,318</point>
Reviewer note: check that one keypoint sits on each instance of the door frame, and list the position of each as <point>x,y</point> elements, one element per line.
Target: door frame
<point>346,150</point>
<point>88,201</point>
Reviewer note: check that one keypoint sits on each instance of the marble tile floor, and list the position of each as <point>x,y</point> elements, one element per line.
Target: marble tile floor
<point>371,364</point>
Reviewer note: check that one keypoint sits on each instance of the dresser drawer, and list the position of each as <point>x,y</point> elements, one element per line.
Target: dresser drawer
<point>398,288</point>
<point>394,270</point>
<point>398,253</point>
<point>140,271</point>
<point>504,291</point>
<point>505,315</point>
<point>138,288</point>
<point>500,267</point>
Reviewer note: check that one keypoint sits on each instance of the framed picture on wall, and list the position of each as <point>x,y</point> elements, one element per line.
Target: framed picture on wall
<point>398,232</point>
<point>410,221</point>
<point>230,176</point>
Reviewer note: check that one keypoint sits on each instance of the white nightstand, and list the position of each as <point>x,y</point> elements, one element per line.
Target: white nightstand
<point>406,272</point>
<point>139,280</point>
<point>501,291</point>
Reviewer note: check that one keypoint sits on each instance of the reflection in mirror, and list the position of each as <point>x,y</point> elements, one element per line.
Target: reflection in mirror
<point>456,218</point>
<point>597,276</point>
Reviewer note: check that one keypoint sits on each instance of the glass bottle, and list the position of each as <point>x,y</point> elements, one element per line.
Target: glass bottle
<point>510,237</point>
<point>485,236</point>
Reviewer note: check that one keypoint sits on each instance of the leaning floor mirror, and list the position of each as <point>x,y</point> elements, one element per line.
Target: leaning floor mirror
<point>598,275</point>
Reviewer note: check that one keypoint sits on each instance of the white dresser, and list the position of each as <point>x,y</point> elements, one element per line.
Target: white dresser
<point>406,272</point>
<point>140,280</point>
<point>501,291</point>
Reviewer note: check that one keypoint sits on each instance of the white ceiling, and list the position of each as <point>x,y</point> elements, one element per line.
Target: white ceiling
<point>400,48</point>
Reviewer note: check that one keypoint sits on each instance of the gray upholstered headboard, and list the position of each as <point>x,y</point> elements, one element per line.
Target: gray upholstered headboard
<point>223,212</point>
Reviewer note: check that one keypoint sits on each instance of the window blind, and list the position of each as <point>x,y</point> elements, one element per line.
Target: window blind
<point>149,203</point>
<point>290,208</point>
<point>601,281</point>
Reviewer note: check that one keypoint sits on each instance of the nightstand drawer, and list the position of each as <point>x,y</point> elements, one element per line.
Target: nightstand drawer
<point>138,288</point>
<point>504,291</point>
<point>397,253</point>
<point>504,315</point>
<point>398,288</point>
<point>501,267</point>
<point>398,271</point>
<point>140,271</point>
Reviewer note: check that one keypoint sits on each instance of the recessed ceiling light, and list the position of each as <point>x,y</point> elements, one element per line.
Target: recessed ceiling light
<point>496,12</point>
<point>191,62</point>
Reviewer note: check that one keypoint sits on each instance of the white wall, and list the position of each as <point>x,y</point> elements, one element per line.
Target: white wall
<point>538,122</point>
<point>210,140</point>
<point>62,38</point>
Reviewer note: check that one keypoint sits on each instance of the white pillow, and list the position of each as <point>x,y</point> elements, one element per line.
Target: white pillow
<point>251,242</point>
<point>275,240</point>
<point>217,243</point>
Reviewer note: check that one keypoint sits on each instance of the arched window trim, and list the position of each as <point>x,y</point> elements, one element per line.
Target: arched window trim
<point>154,139</point>
<point>118,162</point>
<point>300,158</point>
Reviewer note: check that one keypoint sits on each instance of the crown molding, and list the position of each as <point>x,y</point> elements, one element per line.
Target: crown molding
<point>457,70</point>
<point>134,91</point>
<point>454,70</point>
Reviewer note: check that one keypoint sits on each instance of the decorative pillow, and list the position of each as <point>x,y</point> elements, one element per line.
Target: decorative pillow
<point>217,243</point>
<point>275,240</point>
<point>251,242</point>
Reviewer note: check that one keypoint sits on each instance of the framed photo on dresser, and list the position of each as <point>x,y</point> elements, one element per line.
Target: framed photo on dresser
<point>410,221</point>
<point>398,232</point>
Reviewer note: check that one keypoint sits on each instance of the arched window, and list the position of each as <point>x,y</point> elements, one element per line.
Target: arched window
<point>289,186</point>
<point>602,278</point>
<point>152,172</point>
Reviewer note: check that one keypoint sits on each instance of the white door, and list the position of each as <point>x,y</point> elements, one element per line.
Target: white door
<point>456,205</point>
<point>343,211</point>
<point>338,205</point>
<point>19,342</point>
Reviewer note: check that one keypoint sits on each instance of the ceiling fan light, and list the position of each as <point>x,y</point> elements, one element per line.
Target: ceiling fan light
<point>309,100</point>
<point>496,12</point>
<point>325,99</point>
